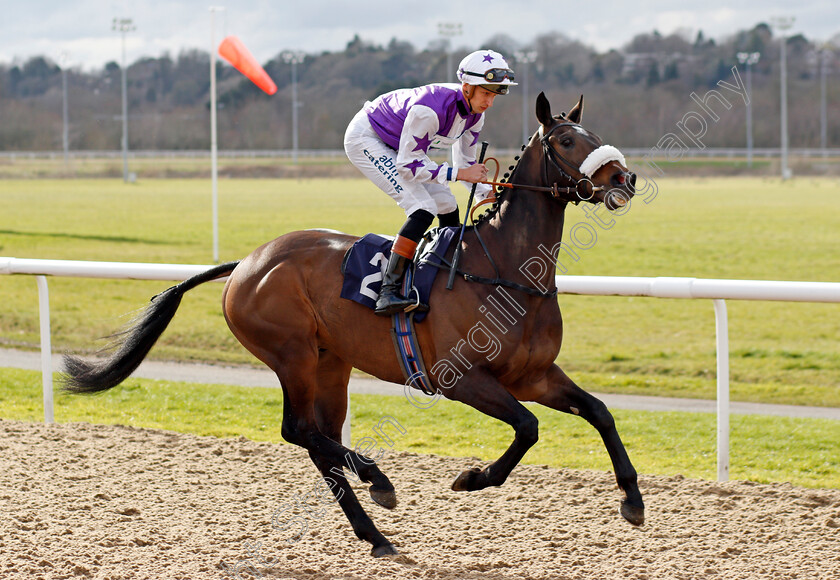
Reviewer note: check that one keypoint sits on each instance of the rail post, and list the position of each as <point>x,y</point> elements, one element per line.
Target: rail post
<point>722,348</point>
<point>46,347</point>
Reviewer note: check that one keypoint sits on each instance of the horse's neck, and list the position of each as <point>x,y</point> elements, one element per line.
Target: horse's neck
<point>529,224</point>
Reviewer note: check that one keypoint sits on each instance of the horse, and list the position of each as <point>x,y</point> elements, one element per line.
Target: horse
<point>282,303</point>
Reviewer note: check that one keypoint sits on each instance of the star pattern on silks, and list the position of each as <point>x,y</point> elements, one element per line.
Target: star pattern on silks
<point>435,172</point>
<point>414,166</point>
<point>475,135</point>
<point>488,57</point>
<point>423,143</point>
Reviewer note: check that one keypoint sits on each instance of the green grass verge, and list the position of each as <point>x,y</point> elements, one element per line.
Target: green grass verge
<point>803,452</point>
<point>170,167</point>
<point>712,228</point>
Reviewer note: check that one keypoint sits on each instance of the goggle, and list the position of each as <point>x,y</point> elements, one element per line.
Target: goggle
<point>493,75</point>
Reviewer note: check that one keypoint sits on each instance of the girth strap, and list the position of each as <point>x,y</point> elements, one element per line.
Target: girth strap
<point>405,343</point>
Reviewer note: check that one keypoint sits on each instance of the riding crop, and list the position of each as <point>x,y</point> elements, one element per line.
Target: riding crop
<point>457,255</point>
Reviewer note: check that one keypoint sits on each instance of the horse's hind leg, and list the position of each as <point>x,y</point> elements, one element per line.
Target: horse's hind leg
<point>333,375</point>
<point>314,386</point>
<point>566,396</point>
<point>296,365</point>
<point>330,406</point>
<point>363,526</point>
<point>328,402</point>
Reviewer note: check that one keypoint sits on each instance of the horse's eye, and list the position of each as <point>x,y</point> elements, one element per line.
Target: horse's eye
<point>566,142</point>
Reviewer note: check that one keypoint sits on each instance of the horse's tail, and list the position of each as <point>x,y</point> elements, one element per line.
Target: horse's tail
<point>132,344</point>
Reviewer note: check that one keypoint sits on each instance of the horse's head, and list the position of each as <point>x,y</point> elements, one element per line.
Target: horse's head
<point>578,160</point>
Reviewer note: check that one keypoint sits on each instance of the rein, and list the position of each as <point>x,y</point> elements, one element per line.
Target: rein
<point>583,190</point>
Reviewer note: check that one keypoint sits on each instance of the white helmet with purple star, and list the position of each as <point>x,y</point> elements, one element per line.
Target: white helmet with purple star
<point>488,69</point>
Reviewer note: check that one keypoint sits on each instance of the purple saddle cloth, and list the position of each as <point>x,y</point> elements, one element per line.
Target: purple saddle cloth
<point>365,262</point>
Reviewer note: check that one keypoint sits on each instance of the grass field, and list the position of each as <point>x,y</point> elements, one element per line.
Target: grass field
<point>24,167</point>
<point>713,228</point>
<point>765,449</point>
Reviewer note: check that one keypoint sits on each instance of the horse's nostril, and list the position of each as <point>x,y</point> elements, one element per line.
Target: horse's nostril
<point>620,178</point>
<point>633,180</point>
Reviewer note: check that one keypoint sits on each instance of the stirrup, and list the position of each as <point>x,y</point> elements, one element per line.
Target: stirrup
<point>392,303</point>
<point>393,308</point>
<point>417,306</point>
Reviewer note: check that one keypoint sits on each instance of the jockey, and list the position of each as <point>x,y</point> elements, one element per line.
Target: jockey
<point>389,142</point>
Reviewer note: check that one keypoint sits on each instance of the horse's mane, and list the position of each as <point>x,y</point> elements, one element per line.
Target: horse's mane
<point>501,193</point>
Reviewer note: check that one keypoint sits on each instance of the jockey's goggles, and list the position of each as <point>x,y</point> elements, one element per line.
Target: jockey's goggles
<point>493,75</point>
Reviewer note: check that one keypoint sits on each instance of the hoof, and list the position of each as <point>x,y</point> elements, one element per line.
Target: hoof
<point>470,480</point>
<point>385,550</point>
<point>387,498</point>
<point>633,514</point>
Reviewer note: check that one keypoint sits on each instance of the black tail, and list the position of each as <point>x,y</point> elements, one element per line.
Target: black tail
<point>134,342</point>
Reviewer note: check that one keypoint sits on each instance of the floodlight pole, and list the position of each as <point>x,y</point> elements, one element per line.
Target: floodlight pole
<point>214,165</point>
<point>65,133</point>
<point>294,58</point>
<point>748,59</point>
<point>525,57</point>
<point>449,30</point>
<point>123,25</point>
<point>823,104</point>
<point>783,24</point>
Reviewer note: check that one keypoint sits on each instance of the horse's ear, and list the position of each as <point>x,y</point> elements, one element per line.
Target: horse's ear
<point>576,113</point>
<point>543,110</point>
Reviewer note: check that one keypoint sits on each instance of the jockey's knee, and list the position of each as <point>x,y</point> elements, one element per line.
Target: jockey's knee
<point>445,206</point>
<point>449,219</point>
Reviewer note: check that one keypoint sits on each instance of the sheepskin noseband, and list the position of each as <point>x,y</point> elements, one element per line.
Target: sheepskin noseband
<point>600,157</point>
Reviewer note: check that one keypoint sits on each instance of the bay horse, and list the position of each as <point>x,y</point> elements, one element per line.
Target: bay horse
<point>282,303</point>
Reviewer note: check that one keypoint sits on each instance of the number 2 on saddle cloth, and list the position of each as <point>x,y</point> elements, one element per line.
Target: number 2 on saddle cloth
<point>363,269</point>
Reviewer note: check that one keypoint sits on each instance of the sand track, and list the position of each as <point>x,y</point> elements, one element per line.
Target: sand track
<point>94,501</point>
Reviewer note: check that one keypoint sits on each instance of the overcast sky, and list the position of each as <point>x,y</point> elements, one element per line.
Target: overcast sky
<point>82,28</point>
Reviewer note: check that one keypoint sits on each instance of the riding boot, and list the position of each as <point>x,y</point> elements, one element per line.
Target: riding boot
<point>390,299</point>
<point>450,219</point>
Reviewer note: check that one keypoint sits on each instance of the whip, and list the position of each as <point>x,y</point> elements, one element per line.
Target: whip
<point>457,255</point>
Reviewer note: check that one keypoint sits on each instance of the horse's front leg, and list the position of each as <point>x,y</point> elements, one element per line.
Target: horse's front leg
<point>564,395</point>
<point>483,392</point>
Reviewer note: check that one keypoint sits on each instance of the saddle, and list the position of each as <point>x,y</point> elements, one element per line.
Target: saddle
<point>363,268</point>
<point>364,265</point>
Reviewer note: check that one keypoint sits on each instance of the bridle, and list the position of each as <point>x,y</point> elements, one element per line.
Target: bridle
<point>583,189</point>
<point>579,187</point>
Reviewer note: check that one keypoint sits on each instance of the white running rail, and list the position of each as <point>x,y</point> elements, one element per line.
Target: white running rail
<point>662,287</point>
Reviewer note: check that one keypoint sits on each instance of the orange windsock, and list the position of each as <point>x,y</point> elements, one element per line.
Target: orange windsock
<point>233,51</point>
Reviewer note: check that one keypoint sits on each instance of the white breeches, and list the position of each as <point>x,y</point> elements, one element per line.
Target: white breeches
<point>378,163</point>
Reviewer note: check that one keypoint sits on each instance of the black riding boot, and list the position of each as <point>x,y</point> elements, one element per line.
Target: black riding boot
<point>449,219</point>
<point>390,300</point>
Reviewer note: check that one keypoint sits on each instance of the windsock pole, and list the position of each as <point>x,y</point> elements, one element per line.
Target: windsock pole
<point>214,153</point>
<point>232,50</point>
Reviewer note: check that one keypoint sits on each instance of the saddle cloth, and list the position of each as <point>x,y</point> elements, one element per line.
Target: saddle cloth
<point>365,262</point>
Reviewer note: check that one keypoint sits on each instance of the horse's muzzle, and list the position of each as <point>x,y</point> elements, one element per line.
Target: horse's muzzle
<point>623,188</point>
<point>625,180</point>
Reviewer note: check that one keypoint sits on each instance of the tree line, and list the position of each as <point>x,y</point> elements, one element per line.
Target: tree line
<point>633,95</point>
